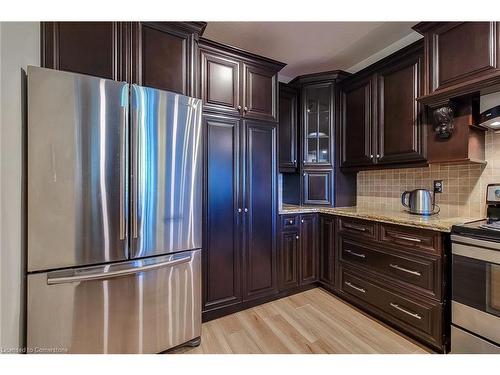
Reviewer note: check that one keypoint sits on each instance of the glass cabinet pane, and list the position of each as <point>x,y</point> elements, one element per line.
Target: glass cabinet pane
<point>312,147</point>
<point>317,129</point>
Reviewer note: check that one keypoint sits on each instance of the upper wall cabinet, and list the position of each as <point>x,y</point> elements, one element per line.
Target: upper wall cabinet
<point>156,54</point>
<point>94,48</point>
<point>288,128</point>
<point>381,120</point>
<point>460,58</point>
<point>238,83</point>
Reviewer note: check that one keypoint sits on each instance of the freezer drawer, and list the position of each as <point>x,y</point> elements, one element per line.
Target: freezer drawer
<point>141,306</point>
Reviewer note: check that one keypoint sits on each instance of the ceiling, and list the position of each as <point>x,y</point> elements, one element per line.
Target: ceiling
<point>310,47</point>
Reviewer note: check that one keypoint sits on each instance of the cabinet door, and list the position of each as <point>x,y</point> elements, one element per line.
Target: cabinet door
<point>308,249</point>
<point>287,129</point>
<point>220,82</point>
<point>260,91</point>
<point>317,124</point>
<point>400,130</point>
<point>460,51</point>
<point>222,255</point>
<point>327,249</point>
<point>356,124</point>
<point>260,172</point>
<point>317,187</point>
<point>289,253</point>
<point>93,48</point>
<point>162,57</point>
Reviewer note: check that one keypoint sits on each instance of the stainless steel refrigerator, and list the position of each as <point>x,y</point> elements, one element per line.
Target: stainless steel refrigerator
<point>114,216</point>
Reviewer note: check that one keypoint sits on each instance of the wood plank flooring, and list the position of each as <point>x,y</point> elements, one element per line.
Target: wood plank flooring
<point>310,322</point>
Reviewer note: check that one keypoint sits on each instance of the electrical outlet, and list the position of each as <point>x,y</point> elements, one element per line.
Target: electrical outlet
<point>438,186</point>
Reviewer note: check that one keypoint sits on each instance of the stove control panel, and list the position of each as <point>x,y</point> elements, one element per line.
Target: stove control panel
<point>493,194</point>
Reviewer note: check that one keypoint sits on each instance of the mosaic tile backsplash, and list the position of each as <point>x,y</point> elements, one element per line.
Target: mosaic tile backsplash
<point>464,184</point>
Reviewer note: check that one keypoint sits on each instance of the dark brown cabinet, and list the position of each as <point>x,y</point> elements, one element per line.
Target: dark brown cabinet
<point>381,120</point>
<point>240,245</point>
<point>327,250</point>
<point>460,58</point>
<point>239,93</point>
<point>320,180</point>
<point>156,54</point>
<point>357,123</point>
<point>222,243</point>
<point>288,260</point>
<point>163,55</point>
<point>287,128</point>
<point>298,255</point>
<point>259,213</point>
<point>238,83</point>
<point>395,273</point>
<point>308,249</point>
<point>317,187</point>
<point>94,48</point>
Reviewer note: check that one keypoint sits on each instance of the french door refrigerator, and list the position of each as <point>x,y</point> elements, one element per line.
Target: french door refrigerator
<point>114,216</point>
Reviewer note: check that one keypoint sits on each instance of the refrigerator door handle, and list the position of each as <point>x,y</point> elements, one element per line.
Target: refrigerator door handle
<point>123,172</point>
<point>111,274</point>
<point>135,171</point>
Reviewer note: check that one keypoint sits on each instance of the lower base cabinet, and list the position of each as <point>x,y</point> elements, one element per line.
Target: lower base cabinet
<point>394,273</point>
<point>298,256</point>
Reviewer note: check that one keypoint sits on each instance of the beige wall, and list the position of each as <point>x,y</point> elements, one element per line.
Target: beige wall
<point>19,47</point>
<point>464,185</point>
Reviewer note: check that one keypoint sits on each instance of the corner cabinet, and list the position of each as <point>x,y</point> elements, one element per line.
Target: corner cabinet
<point>238,83</point>
<point>321,182</point>
<point>156,54</point>
<point>381,122</point>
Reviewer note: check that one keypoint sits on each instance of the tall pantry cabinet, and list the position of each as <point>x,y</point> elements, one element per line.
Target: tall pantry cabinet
<point>239,92</point>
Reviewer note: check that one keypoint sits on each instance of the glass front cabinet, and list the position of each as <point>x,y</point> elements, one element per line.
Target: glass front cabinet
<point>317,124</point>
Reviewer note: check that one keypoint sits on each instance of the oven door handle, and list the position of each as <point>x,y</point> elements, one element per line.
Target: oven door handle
<point>487,251</point>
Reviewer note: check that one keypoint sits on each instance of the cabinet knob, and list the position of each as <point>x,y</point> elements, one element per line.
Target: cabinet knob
<point>378,156</point>
<point>245,108</point>
<point>303,174</point>
<point>294,161</point>
<point>297,237</point>
<point>239,209</point>
<point>239,108</point>
<point>371,156</point>
<point>246,209</point>
<point>290,221</point>
<point>302,220</point>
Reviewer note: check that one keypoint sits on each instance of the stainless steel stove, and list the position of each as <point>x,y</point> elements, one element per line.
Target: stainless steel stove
<point>476,281</point>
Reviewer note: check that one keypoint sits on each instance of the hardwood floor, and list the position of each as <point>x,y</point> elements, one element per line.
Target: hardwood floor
<point>310,322</point>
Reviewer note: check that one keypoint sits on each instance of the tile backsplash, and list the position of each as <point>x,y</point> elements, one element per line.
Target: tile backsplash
<point>464,184</point>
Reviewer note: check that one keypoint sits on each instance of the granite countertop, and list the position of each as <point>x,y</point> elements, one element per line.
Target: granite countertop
<point>401,217</point>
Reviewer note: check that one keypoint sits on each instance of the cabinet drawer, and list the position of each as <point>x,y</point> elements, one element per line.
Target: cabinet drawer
<point>420,273</point>
<point>416,316</point>
<point>357,227</point>
<point>290,222</point>
<point>411,238</point>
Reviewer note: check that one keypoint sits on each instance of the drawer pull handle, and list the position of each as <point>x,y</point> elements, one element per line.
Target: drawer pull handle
<point>408,238</point>
<point>405,269</point>
<point>355,287</point>
<point>356,254</point>
<point>397,307</point>
<point>354,227</point>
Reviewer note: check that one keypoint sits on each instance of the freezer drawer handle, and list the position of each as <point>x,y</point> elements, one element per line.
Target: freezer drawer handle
<point>109,275</point>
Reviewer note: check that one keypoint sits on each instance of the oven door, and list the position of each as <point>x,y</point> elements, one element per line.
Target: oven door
<point>476,287</point>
